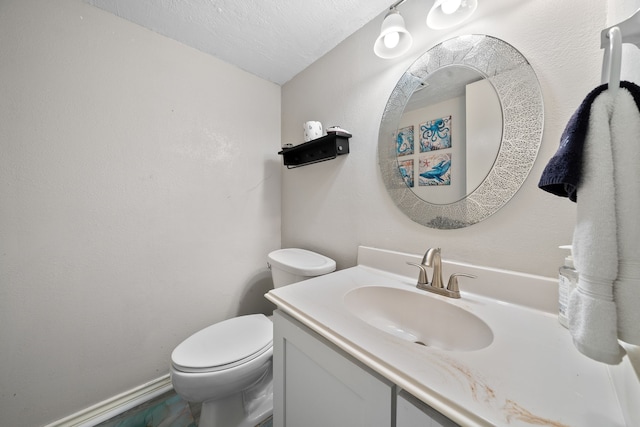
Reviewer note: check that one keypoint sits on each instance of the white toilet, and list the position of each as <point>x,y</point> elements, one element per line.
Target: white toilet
<point>227,366</point>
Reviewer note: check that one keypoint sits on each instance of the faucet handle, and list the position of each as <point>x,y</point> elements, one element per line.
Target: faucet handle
<point>422,278</point>
<point>453,283</point>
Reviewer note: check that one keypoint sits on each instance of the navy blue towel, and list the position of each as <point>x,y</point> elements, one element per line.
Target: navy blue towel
<point>562,173</point>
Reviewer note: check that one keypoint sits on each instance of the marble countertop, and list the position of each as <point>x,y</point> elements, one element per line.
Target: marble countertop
<point>530,375</point>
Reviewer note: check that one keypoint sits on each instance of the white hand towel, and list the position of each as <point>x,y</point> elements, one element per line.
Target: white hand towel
<point>625,140</point>
<point>592,311</point>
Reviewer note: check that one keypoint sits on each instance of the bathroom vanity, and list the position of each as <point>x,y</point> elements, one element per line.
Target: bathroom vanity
<point>364,347</point>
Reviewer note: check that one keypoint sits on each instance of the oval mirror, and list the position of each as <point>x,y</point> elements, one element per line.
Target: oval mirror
<point>460,131</point>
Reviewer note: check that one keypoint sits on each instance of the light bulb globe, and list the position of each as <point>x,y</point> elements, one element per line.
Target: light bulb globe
<point>450,6</point>
<point>392,39</point>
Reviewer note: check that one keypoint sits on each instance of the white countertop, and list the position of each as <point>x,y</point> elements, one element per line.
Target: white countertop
<point>529,375</point>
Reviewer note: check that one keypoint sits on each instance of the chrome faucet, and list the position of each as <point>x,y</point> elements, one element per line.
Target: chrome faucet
<point>432,259</point>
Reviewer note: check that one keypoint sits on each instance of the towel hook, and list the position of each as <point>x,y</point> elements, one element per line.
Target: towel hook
<point>611,39</point>
<point>612,60</point>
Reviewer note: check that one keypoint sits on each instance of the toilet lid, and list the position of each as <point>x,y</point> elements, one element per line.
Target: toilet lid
<point>224,344</point>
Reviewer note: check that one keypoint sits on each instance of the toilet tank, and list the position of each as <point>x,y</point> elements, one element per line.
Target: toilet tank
<point>293,265</point>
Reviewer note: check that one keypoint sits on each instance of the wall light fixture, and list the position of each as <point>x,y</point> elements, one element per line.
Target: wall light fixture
<point>394,39</point>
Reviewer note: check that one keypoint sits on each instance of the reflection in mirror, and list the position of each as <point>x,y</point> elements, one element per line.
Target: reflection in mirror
<point>452,117</point>
<point>460,131</point>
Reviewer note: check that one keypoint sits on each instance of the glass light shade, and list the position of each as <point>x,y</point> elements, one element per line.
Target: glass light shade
<point>394,39</point>
<point>440,15</point>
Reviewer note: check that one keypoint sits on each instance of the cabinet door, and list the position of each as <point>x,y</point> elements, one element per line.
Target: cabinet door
<point>413,413</point>
<point>317,385</point>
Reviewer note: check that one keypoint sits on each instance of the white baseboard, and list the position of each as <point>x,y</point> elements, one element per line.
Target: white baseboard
<point>116,405</point>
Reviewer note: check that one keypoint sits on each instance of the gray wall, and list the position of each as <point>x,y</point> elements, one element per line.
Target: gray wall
<point>139,196</point>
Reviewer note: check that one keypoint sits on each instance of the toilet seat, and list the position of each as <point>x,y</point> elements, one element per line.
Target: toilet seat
<point>224,345</point>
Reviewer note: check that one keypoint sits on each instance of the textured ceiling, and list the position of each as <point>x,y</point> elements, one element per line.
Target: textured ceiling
<point>273,39</point>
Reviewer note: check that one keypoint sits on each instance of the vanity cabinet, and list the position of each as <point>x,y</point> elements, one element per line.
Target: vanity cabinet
<point>410,412</point>
<point>315,385</point>
<point>318,385</point>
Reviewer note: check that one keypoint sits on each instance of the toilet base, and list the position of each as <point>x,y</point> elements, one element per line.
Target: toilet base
<point>245,409</point>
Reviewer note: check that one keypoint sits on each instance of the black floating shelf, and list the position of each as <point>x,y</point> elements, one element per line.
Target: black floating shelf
<point>317,150</point>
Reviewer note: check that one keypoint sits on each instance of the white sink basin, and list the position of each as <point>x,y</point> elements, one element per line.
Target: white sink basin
<point>419,318</point>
